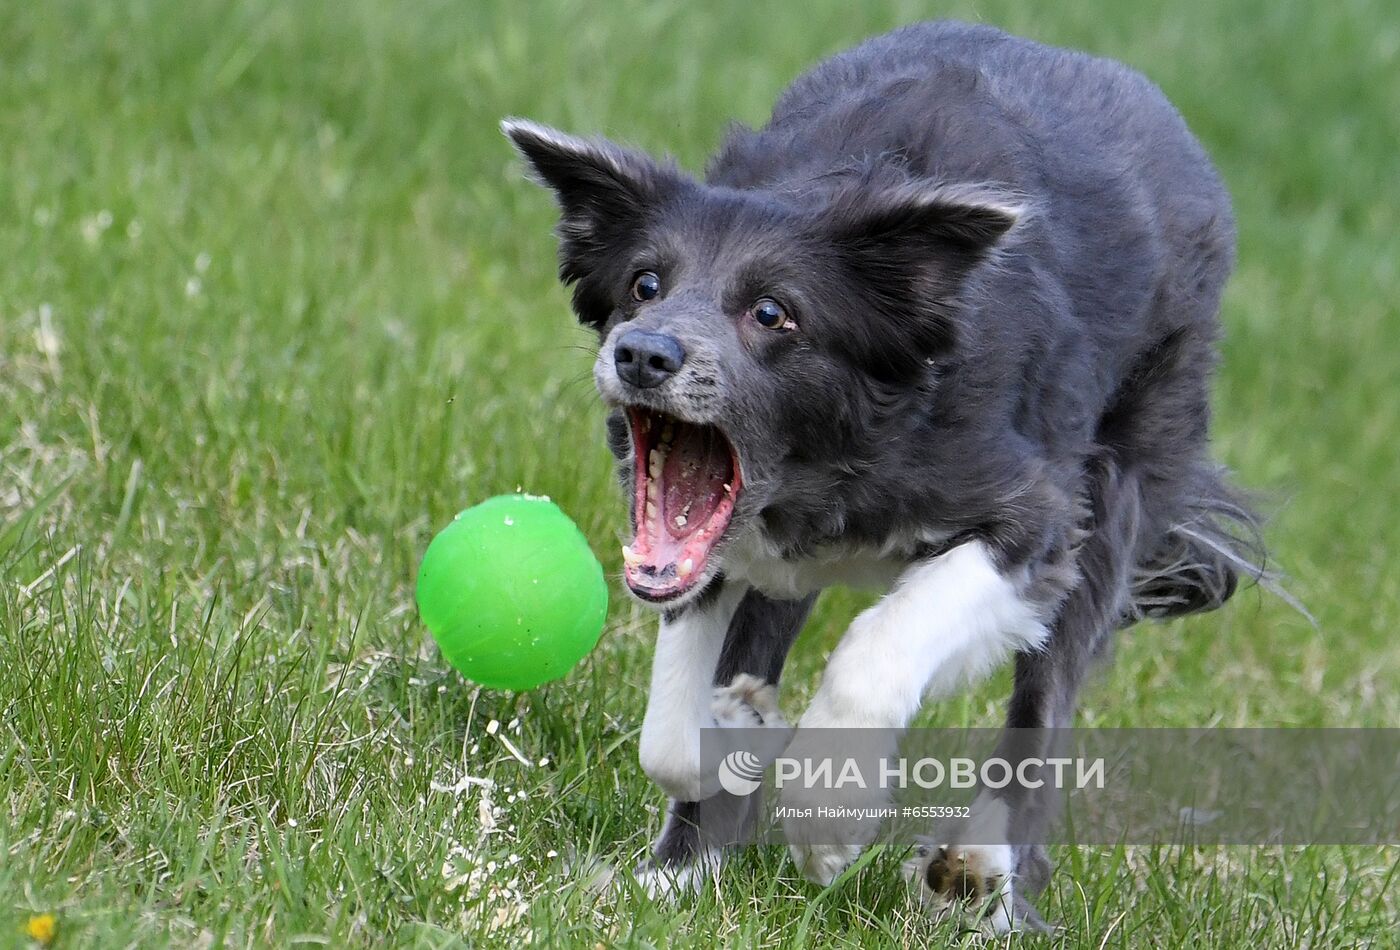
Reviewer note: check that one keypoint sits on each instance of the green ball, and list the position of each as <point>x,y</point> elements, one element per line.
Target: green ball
<point>512,593</point>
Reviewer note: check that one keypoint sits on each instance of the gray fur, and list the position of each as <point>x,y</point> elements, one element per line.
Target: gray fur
<point>1005,262</point>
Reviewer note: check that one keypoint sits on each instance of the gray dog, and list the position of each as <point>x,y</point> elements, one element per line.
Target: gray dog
<point>944,326</point>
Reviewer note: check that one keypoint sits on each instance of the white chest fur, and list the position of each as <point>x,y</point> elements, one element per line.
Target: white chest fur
<point>752,561</point>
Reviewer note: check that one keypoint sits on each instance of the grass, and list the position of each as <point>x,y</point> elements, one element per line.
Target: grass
<point>275,303</point>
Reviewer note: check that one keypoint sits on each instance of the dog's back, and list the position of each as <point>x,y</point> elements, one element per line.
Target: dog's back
<point>1119,188</point>
<point>1129,224</point>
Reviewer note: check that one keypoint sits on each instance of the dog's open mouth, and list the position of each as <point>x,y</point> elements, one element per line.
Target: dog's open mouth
<point>687,481</point>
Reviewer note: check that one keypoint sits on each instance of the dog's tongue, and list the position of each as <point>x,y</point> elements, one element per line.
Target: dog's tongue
<point>693,479</point>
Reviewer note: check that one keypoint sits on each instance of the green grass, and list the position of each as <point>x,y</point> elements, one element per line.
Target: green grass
<point>275,302</point>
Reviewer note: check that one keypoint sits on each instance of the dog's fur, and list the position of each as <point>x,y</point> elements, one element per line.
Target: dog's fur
<point>1004,262</point>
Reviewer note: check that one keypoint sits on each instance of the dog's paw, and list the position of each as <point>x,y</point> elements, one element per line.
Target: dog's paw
<point>666,883</point>
<point>823,863</point>
<point>976,880</point>
<point>687,767</point>
<point>662,883</point>
<point>827,831</point>
<point>748,702</point>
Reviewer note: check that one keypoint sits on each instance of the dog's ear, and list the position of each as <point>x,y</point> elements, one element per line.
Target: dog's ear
<point>605,193</point>
<point>911,248</point>
<point>962,219</point>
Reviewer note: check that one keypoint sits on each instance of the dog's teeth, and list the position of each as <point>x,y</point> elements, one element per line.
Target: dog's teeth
<point>654,461</point>
<point>728,488</point>
<point>652,510</point>
<point>685,568</point>
<point>630,557</point>
<point>680,521</point>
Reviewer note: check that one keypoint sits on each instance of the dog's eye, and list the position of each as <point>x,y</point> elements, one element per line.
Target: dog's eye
<point>645,286</point>
<point>771,315</point>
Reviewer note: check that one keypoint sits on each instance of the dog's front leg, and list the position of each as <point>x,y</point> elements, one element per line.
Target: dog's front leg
<point>717,663</point>
<point>947,620</point>
<point>688,647</point>
<point>1047,683</point>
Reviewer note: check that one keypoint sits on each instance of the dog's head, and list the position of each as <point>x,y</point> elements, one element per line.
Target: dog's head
<point>751,341</point>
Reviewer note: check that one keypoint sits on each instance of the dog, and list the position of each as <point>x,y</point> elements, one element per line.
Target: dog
<point>945,326</point>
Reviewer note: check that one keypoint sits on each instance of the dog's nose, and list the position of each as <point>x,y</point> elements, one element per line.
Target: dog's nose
<point>645,358</point>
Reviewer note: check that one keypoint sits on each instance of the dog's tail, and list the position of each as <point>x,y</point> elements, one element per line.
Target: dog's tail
<point>1200,536</point>
<point>1200,561</point>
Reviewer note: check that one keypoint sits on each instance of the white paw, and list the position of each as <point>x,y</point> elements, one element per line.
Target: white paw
<point>747,702</point>
<point>658,883</point>
<point>673,882</point>
<point>826,830</point>
<point>829,821</point>
<point>823,863</point>
<point>977,878</point>
<point>677,770</point>
<point>678,762</point>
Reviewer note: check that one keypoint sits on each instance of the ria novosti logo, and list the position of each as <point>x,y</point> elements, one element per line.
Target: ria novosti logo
<point>741,773</point>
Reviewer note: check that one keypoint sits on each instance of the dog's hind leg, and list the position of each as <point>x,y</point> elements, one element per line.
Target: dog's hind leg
<point>690,691</point>
<point>1004,858</point>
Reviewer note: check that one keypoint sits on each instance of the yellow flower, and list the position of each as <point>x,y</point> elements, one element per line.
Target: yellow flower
<point>42,928</point>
